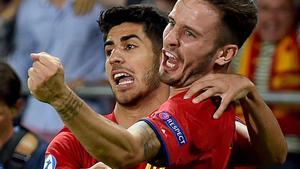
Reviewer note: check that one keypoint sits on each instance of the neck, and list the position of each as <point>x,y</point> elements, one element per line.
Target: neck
<point>175,91</point>
<point>127,116</point>
<point>216,69</point>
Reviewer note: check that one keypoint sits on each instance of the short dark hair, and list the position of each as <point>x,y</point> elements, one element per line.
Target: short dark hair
<point>10,85</point>
<point>239,18</point>
<point>153,21</point>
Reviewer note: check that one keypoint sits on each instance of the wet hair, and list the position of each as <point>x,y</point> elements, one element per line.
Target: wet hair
<point>10,85</point>
<point>153,21</point>
<point>238,19</point>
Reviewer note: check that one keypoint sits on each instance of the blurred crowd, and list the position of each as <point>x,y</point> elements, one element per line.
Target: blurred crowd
<point>68,29</point>
<point>271,59</point>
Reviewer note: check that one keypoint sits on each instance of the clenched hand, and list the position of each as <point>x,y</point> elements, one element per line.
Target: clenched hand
<point>46,78</point>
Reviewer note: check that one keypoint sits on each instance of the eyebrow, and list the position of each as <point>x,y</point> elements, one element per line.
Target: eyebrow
<point>127,37</point>
<point>186,26</point>
<point>123,38</point>
<point>109,42</point>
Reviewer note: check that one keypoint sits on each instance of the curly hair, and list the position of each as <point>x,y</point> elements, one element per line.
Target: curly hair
<point>153,21</point>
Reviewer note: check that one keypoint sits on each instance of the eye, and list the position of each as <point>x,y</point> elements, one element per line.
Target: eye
<point>130,46</point>
<point>189,34</point>
<point>108,52</point>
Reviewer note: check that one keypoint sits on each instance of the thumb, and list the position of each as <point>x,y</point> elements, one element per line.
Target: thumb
<point>35,57</point>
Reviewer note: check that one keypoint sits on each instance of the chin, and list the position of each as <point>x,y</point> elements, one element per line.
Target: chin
<point>169,80</point>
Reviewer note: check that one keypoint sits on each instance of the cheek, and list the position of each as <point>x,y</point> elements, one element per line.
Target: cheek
<point>190,50</point>
<point>107,67</point>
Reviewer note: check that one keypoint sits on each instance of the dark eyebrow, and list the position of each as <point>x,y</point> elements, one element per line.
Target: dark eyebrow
<point>109,42</point>
<point>124,38</point>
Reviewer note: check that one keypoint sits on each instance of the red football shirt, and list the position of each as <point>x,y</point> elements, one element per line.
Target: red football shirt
<point>66,152</point>
<point>190,137</point>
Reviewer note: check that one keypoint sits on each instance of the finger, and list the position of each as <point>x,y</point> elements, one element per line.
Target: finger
<point>224,104</point>
<point>40,54</point>
<point>48,60</point>
<point>29,84</point>
<point>35,56</point>
<point>208,93</point>
<point>35,74</point>
<point>32,80</point>
<point>197,87</point>
<point>30,72</point>
<point>43,72</point>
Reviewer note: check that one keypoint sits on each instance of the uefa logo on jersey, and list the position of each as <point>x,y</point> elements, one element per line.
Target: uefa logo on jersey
<point>163,115</point>
<point>50,162</point>
<point>174,126</point>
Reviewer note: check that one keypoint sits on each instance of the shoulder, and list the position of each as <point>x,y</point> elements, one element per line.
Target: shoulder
<point>64,150</point>
<point>63,141</point>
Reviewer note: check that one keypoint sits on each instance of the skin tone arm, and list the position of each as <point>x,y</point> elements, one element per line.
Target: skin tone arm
<point>265,134</point>
<point>136,144</point>
<point>74,113</point>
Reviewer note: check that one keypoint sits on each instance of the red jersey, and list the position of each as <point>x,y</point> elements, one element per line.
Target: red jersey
<point>66,152</point>
<point>190,137</point>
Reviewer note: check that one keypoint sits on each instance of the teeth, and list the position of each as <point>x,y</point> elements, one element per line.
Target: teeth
<point>125,82</point>
<point>120,75</point>
<point>171,65</point>
<point>169,55</point>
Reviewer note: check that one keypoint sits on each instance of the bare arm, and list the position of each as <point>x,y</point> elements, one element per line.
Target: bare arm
<point>266,137</point>
<point>102,138</point>
<point>265,134</point>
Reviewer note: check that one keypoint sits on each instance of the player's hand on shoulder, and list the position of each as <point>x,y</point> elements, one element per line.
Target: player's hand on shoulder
<point>229,87</point>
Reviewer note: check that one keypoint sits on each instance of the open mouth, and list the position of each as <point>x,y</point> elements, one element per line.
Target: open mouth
<point>170,61</point>
<point>123,78</point>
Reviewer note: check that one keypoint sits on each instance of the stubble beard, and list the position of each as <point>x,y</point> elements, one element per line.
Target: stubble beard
<point>201,70</point>
<point>151,81</point>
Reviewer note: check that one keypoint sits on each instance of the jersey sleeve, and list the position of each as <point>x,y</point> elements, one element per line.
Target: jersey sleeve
<point>189,135</point>
<point>171,134</point>
<point>62,152</point>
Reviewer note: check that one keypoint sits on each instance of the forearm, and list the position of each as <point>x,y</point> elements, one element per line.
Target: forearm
<point>265,133</point>
<point>102,138</point>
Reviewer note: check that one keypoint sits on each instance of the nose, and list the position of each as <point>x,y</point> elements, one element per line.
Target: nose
<point>171,39</point>
<point>116,57</point>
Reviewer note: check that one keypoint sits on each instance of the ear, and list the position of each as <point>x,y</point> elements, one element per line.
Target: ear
<point>226,54</point>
